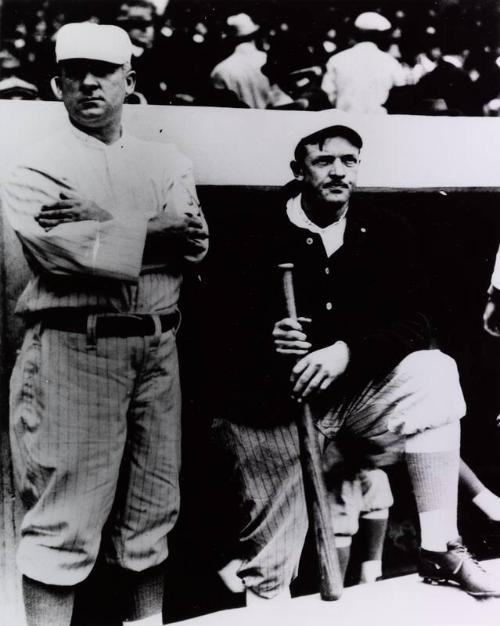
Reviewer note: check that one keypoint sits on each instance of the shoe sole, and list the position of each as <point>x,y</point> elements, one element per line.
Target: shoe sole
<point>452,583</point>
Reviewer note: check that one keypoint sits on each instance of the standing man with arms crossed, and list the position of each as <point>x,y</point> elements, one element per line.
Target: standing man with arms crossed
<point>362,356</point>
<point>107,222</point>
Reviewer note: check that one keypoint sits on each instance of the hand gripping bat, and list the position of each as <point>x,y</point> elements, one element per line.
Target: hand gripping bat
<point>331,583</point>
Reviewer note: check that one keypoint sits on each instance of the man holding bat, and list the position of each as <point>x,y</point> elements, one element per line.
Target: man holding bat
<point>361,355</point>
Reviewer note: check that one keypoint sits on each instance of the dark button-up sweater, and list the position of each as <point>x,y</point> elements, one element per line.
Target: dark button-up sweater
<point>370,294</point>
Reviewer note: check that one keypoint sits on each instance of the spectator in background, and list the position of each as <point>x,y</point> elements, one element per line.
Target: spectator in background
<point>149,57</point>
<point>40,51</point>
<point>241,72</point>
<point>14,79</point>
<point>14,88</point>
<point>295,76</point>
<point>427,57</point>
<point>449,83</point>
<point>487,84</point>
<point>360,78</point>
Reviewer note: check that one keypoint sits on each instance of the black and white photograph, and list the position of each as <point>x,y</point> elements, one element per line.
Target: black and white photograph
<point>250,312</point>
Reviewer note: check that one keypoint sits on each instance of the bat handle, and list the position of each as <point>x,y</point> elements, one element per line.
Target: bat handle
<point>331,581</point>
<point>287,278</point>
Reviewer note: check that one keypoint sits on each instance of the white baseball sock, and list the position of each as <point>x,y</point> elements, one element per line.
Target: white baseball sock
<point>433,458</point>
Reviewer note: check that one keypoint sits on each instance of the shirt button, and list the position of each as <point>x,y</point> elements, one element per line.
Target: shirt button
<point>329,306</point>
<point>309,241</point>
<point>327,270</point>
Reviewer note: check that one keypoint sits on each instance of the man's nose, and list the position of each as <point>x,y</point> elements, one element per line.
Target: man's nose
<point>337,168</point>
<point>89,79</point>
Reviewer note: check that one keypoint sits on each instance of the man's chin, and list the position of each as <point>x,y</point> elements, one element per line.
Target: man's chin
<point>92,117</point>
<point>336,197</point>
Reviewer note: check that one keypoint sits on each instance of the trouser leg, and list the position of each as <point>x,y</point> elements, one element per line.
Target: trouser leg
<point>47,605</point>
<point>145,594</point>
<point>415,410</point>
<point>147,502</point>
<point>68,430</point>
<point>428,418</point>
<point>273,519</point>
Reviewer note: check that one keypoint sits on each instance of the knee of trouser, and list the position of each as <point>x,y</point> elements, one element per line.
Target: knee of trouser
<point>65,561</point>
<point>345,506</point>
<point>430,369</point>
<point>427,393</point>
<point>376,489</point>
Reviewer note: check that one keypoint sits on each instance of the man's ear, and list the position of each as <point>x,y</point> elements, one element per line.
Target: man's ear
<point>130,82</point>
<point>297,170</point>
<point>55,84</point>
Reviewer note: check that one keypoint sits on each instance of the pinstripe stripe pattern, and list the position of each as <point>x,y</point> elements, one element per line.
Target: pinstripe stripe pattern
<point>77,417</point>
<point>266,467</point>
<point>132,179</point>
<point>423,391</point>
<point>95,431</point>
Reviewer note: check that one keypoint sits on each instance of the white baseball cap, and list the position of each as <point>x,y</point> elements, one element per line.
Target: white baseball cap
<point>372,21</point>
<point>242,25</point>
<point>97,42</point>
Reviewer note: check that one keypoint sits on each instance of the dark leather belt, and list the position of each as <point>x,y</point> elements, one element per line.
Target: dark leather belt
<point>110,324</point>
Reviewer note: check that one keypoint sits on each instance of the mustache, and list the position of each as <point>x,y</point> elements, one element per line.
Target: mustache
<point>88,97</point>
<point>335,183</point>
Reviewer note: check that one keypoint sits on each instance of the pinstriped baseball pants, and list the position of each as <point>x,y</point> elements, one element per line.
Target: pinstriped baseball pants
<point>422,392</point>
<point>95,434</point>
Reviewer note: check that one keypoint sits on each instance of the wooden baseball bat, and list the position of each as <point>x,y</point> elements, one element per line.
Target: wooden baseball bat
<point>331,581</point>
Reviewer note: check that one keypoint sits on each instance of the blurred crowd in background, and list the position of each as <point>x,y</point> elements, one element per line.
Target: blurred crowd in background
<point>427,57</point>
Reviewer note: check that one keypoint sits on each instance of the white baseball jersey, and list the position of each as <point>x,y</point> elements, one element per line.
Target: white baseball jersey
<point>359,79</point>
<point>132,179</point>
<point>241,73</point>
<point>85,414</point>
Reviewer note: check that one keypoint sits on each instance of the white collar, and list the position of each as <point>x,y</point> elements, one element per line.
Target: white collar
<point>332,236</point>
<point>246,47</point>
<point>453,59</point>
<point>93,142</point>
<point>367,45</point>
<point>297,216</point>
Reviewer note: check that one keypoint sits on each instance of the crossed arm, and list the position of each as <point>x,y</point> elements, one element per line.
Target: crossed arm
<point>186,231</point>
<point>66,233</point>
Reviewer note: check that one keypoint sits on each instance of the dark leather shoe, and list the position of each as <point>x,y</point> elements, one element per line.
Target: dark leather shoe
<point>457,566</point>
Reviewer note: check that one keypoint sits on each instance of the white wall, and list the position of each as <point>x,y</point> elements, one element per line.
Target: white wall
<point>251,147</point>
